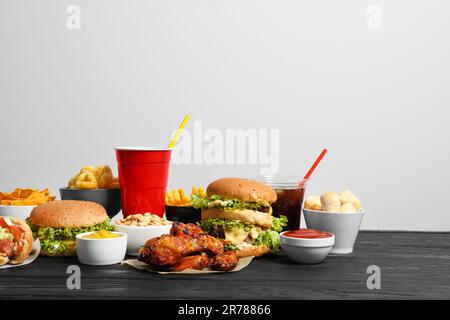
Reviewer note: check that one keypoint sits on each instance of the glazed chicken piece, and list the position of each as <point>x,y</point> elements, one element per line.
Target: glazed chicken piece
<point>168,250</point>
<point>187,247</point>
<point>165,250</point>
<point>189,230</point>
<point>226,261</point>
<point>198,262</point>
<point>206,243</point>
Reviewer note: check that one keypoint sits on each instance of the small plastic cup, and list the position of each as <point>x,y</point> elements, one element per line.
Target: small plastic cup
<point>143,174</point>
<point>290,191</point>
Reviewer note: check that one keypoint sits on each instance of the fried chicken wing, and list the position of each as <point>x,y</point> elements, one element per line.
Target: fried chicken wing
<point>201,242</point>
<point>226,261</point>
<point>189,230</point>
<point>197,262</point>
<point>168,250</point>
<point>187,247</point>
<point>206,243</point>
<point>165,250</point>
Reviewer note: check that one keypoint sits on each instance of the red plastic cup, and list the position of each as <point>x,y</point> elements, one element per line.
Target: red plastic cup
<point>143,174</point>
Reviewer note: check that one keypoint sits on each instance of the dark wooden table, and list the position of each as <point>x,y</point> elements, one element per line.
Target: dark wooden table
<point>413,266</point>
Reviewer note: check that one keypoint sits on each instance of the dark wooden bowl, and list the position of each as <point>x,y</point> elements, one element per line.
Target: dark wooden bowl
<point>108,198</point>
<point>183,214</point>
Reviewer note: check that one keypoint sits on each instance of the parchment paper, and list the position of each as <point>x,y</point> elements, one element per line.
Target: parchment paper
<point>243,262</point>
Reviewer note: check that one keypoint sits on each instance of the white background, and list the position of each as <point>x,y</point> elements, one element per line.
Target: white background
<point>378,100</point>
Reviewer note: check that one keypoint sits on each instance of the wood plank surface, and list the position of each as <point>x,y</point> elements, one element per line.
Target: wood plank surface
<point>413,266</point>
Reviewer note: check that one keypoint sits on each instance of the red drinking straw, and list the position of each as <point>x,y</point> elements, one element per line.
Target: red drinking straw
<point>315,164</point>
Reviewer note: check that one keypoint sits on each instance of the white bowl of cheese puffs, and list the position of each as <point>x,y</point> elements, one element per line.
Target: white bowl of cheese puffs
<point>338,213</point>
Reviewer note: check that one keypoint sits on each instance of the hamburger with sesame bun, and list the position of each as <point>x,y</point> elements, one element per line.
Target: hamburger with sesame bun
<point>57,223</point>
<point>239,212</point>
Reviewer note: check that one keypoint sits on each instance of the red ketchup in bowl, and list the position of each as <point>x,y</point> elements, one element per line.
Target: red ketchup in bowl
<point>307,234</point>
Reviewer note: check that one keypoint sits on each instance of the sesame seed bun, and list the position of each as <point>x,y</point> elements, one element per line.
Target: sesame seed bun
<point>242,189</point>
<point>253,251</point>
<point>68,214</point>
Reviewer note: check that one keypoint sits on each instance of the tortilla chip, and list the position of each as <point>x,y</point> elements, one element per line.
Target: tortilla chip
<point>25,197</point>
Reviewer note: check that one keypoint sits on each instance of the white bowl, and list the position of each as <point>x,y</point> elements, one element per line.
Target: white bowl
<point>138,236</point>
<point>306,250</point>
<point>101,252</point>
<point>21,212</point>
<point>345,226</point>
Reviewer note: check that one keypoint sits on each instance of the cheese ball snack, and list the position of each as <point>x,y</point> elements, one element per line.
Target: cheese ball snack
<point>330,202</point>
<point>344,202</point>
<point>346,197</point>
<point>348,208</point>
<point>313,203</point>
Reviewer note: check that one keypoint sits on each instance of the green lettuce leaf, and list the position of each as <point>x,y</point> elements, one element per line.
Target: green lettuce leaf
<point>59,234</point>
<point>53,246</point>
<point>219,202</point>
<point>279,223</point>
<point>213,224</point>
<point>271,239</point>
<point>230,247</point>
<point>198,201</point>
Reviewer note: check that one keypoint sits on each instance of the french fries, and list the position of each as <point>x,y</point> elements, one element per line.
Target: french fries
<point>180,199</point>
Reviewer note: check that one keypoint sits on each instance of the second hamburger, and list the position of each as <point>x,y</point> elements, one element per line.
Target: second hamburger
<point>239,211</point>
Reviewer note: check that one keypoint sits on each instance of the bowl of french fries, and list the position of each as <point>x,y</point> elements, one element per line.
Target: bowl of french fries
<point>179,205</point>
<point>96,184</point>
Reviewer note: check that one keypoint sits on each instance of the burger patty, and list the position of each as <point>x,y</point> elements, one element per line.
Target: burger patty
<point>264,209</point>
<point>217,232</point>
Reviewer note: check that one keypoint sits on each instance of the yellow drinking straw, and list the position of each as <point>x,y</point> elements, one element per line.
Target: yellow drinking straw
<point>177,134</point>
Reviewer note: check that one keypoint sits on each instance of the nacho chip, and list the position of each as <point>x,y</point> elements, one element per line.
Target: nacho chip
<point>25,197</point>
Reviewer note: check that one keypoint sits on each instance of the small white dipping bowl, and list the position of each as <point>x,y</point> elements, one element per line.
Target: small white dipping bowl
<point>101,252</point>
<point>138,236</point>
<point>306,250</point>
<point>345,226</point>
<point>21,212</point>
